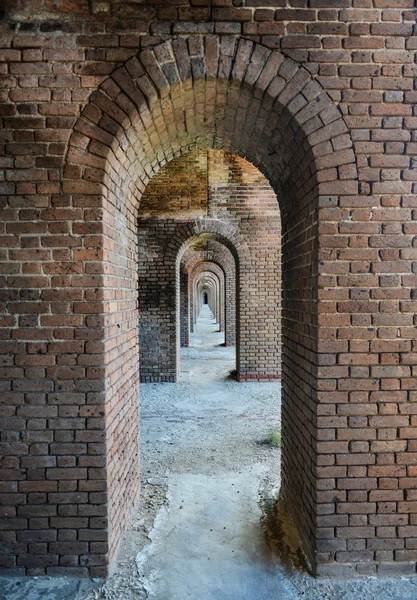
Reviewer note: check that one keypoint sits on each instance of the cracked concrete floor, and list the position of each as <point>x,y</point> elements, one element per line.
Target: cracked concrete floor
<point>207,476</point>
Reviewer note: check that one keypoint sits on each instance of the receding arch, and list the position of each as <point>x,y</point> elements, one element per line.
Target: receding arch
<point>192,264</point>
<point>132,121</point>
<point>208,280</point>
<point>234,266</point>
<point>207,92</point>
<point>227,283</point>
<point>160,282</point>
<point>214,229</point>
<point>207,292</point>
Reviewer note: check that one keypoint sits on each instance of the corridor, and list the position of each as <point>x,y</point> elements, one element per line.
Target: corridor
<point>257,156</point>
<point>203,439</point>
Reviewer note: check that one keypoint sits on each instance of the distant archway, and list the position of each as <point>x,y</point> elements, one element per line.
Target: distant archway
<point>235,268</point>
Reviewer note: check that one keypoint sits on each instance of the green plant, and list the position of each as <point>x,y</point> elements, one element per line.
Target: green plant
<point>275,437</point>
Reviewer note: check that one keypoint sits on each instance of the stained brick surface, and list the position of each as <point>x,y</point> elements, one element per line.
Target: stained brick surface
<point>95,98</point>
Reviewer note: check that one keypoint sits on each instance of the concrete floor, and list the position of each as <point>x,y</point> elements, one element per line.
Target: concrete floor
<point>208,542</point>
<point>210,545</point>
<point>209,483</point>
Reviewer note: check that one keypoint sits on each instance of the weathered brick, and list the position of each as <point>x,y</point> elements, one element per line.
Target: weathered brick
<point>358,310</point>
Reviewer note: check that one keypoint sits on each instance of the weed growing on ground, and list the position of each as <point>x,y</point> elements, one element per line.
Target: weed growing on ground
<point>275,437</point>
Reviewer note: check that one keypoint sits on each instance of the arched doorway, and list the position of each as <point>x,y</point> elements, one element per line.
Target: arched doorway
<point>295,120</point>
<point>207,274</point>
<point>236,209</point>
<point>239,97</point>
<point>220,262</point>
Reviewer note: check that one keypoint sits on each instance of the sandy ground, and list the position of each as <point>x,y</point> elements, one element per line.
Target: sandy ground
<point>210,480</point>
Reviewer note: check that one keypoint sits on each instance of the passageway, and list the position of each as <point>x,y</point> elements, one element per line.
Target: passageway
<point>262,153</point>
<point>206,332</point>
<point>203,439</point>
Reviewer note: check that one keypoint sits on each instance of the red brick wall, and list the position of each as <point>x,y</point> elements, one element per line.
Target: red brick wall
<point>70,192</point>
<point>184,193</point>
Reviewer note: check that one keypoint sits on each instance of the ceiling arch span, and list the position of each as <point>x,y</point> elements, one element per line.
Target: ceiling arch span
<point>210,92</point>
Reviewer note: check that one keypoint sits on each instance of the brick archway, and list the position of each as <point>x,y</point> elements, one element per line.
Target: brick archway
<point>235,264</point>
<point>217,230</point>
<point>209,279</point>
<point>159,323</point>
<point>209,283</point>
<point>303,148</point>
<point>196,261</point>
<point>227,281</point>
<point>181,95</point>
<point>191,266</point>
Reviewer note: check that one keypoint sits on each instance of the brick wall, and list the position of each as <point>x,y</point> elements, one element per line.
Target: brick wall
<point>184,310</point>
<point>239,194</point>
<point>181,189</point>
<point>321,98</point>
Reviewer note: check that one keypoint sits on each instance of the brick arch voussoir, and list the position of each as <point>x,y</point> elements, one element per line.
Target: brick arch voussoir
<point>127,96</point>
<point>210,276</point>
<point>221,231</point>
<point>207,267</point>
<point>194,263</point>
